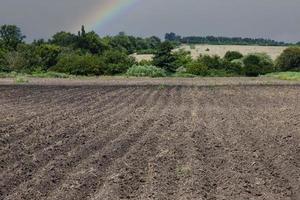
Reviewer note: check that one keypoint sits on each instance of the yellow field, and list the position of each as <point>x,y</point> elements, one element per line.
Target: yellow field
<point>220,50</point>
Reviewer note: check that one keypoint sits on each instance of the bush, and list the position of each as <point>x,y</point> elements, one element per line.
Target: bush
<point>145,62</point>
<point>80,65</point>
<point>233,55</point>
<point>258,64</point>
<point>142,71</point>
<point>117,62</point>
<point>289,59</point>
<point>48,54</point>
<point>24,59</point>
<point>50,74</point>
<point>182,58</point>
<point>3,64</point>
<point>233,67</point>
<point>164,57</point>
<point>197,68</point>
<point>211,62</point>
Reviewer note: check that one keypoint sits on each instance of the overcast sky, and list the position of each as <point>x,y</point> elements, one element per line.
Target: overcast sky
<point>275,19</point>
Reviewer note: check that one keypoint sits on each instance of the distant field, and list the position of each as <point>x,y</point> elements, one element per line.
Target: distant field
<point>220,50</point>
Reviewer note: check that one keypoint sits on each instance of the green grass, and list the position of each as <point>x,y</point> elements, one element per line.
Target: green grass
<point>290,76</point>
<point>49,75</point>
<point>183,75</point>
<point>21,79</point>
<point>145,71</point>
<point>34,75</point>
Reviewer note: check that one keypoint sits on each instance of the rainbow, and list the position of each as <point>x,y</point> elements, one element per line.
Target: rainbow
<point>105,12</point>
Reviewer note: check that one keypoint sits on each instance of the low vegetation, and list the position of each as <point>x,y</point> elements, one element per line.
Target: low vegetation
<point>87,54</point>
<point>144,71</point>
<point>290,76</point>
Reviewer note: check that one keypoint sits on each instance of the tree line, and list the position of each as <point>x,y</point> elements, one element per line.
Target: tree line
<point>222,40</point>
<point>86,53</point>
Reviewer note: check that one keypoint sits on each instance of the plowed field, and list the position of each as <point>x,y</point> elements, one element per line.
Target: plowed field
<point>149,142</point>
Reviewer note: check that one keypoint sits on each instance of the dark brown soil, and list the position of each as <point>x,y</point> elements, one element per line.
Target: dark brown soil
<point>149,142</point>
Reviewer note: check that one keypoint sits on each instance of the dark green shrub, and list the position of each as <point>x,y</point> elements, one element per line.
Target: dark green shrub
<point>257,64</point>
<point>233,55</point>
<point>211,62</point>
<point>24,59</point>
<point>289,59</point>
<point>233,67</point>
<point>80,65</point>
<point>48,54</point>
<point>164,57</point>
<point>145,62</point>
<point>117,62</point>
<point>3,64</point>
<point>182,58</point>
<point>142,71</point>
<point>197,67</point>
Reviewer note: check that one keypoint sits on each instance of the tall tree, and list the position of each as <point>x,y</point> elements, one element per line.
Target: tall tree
<point>63,39</point>
<point>164,57</point>
<point>172,37</point>
<point>11,36</point>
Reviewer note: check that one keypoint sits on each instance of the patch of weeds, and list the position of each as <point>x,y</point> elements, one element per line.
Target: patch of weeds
<point>184,75</point>
<point>183,171</point>
<point>161,87</point>
<point>49,74</point>
<point>21,79</point>
<point>289,76</point>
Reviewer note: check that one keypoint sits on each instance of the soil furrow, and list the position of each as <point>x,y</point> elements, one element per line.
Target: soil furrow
<point>70,156</point>
<point>117,148</point>
<point>64,143</point>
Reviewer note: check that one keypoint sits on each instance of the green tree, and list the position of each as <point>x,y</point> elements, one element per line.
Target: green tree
<point>233,55</point>
<point>24,59</point>
<point>80,64</point>
<point>212,62</point>
<point>11,36</point>
<point>172,37</point>
<point>63,39</point>
<point>257,64</point>
<point>91,42</point>
<point>164,57</point>
<point>197,67</point>
<point>48,54</point>
<point>3,65</point>
<point>182,58</point>
<point>289,59</point>
<point>117,62</point>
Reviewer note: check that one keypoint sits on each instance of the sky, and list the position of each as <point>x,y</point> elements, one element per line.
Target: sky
<point>274,19</point>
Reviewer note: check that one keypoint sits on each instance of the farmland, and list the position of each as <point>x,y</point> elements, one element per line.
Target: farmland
<point>150,139</point>
<point>220,50</point>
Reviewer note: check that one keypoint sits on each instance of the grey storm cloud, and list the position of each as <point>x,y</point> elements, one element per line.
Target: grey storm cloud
<point>275,19</point>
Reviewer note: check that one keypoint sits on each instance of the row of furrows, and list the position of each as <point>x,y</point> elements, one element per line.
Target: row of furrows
<point>240,167</point>
<point>133,168</point>
<point>82,185</point>
<point>39,138</point>
<point>264,166</point>
<point>179,144</point>
<point>22,103</point>
<point>59,119</point>
<point>72,137</point>
<point>156,168</point>
<point>25,92</point>
<point>78,147</point>
<point>16,114</point>
<point>163,170</point>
